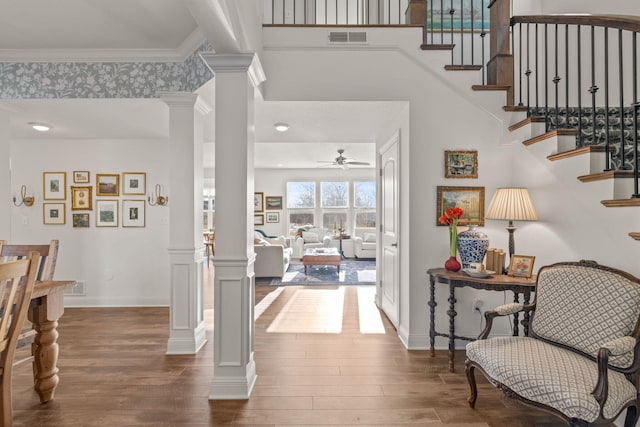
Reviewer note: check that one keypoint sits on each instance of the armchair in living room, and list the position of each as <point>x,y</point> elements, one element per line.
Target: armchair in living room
<point>310,238</point>
<point>365,246</point>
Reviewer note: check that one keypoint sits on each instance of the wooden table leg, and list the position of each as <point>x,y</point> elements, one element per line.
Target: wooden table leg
<point>432,316</point>
<point>516,330</point>
<point>452,332</point>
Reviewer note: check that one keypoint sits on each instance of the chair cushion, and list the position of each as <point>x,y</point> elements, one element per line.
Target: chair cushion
<point>551,375</point>
<point>310,237</point>
<point>369,237</point>
<point>584,308</point>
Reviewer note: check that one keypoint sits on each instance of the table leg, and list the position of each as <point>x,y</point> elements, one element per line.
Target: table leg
<point>516,330</point>
<point>45,352</point>
<point>432,317</point>
<point>525,320</point>
<point>452,333</point>
<point>305,270</point>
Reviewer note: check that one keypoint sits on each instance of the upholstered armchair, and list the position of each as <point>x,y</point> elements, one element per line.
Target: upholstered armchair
<point>310,238</point>
<point>365,246</point>
<point>581,358</point>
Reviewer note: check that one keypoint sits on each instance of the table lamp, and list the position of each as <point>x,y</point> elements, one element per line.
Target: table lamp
<point>512,204</point>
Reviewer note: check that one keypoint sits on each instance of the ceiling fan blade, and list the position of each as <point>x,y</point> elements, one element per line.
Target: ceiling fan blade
<point>349,162</point>
<point>326,161</point>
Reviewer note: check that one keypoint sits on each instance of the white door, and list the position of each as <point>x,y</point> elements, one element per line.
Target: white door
<point>389,285</point>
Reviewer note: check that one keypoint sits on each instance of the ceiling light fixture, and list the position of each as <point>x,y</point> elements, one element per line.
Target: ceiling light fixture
<point>281,127</point>
<point>40,127</point>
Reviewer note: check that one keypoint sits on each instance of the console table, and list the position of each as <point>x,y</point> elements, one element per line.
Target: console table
<point>517,285</point>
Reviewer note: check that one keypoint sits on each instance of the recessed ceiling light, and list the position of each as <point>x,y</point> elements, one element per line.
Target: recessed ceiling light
<point>40,127</point>
<point>281,127</point>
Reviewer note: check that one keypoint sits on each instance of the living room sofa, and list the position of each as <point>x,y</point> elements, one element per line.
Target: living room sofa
<point>310,238</point>
<point>273,257</point>
<point>365,246</point>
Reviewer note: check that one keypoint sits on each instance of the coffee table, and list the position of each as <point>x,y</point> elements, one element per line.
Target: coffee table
<point>321,256</point>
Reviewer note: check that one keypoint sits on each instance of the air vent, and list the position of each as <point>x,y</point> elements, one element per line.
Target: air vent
<point>76,290</point>
<point>347,37</point>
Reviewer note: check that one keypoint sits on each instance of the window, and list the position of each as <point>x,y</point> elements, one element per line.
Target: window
<point>364,200</point>
<point>335,194</point>
<point>301,195</point>
<point>208,209</point>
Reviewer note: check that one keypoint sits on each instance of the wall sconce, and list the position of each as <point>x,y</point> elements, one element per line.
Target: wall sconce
<point>25,200</point>
<point>159,199</point>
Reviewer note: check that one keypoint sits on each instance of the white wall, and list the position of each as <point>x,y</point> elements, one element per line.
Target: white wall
<point>119,266</point>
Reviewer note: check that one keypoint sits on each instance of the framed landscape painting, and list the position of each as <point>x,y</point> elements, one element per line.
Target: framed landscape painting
<point>273,202</point>
<point>80,220</point>
<point>81,177</point>
<point>273,216</point>
<point>134,183</point>
<point>461,164</point>
<point>106,213</point>
<point>258,201</point>
<point>54,185</point>
<point>107,184</point>
<point>469,199</point>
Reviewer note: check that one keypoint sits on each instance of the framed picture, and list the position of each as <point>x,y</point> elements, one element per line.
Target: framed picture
<point>273,216</point>
<point>134,183</point>
<point>469,199</point>
<point>107,184</point>
<point>106,213</point>
<point>461,164</point>
<point>133,213</point>
<point>80,220</point>
<point>273,202</point>
<point>258,219</point>
<point>54,185</point>
<point>81,177</point>
<point>81,198</point>
<point>521,265</point>
<point>258,202</point>
<point>54,213</point>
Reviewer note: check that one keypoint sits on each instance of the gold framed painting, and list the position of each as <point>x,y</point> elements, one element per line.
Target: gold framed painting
<point>133,213</point>
<point>107,184</point>
<point>273,216</point>
<point>106,213</point>
<point>469,199</point>
<point>258,219</point>
<point>81,198</point>
<point>54,185</point>
<point>521,266</point>
<point>54,213</point>
<point>134,183</point>
<point>258,201</point>
<point>461,164</point>
<point>80,220</point>
<point>273,202</point>
<point>81,177</point>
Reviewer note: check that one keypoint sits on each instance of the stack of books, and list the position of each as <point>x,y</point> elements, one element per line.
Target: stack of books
<point>495,260</point>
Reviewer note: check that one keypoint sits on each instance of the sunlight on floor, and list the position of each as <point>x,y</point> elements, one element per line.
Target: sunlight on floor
<point>368,313</point>
<point>311,311</point>
<point>266,302</point>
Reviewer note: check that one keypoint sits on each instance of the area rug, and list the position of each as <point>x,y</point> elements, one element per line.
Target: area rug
<point>352,272</point>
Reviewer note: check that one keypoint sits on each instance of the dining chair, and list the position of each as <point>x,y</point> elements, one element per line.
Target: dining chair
<point>17,279</point>
<point>209,239</point>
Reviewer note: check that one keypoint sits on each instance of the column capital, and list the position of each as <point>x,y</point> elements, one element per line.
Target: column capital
<point>178,99</point>
<point>202,106</point>
<point>233,63</point>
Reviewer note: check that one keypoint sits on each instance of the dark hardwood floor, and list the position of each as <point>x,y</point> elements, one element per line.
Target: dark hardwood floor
<point>324,356</point>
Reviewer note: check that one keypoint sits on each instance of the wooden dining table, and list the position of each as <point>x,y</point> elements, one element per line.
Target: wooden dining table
<point>45,308</point>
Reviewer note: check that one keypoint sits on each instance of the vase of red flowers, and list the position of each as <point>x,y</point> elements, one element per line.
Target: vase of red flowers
<point>451,217</point>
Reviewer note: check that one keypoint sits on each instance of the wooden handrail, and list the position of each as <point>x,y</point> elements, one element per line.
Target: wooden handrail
<point>622,22</point>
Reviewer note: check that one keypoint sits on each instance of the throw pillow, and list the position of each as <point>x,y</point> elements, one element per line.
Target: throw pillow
<point>261,242</point>
<point>369,237</point>
<point>310,237</point>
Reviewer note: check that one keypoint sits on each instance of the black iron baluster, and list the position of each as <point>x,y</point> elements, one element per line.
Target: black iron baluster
<point>566,74</point>
<point>431,23</point>
<point>546,78</point>
<point>593,89</point>
<point>520,61</point>
<point>273,11</point>
<point>536,70</point>
<point>326,12</point>
<point>556,79</point>
<point>636,107</point>
<point>294,11</point>
<point>284,8</point>
<point>528,72</point>
<point>621,84</point>
<point>461,32</point>
<point>579,142</point>
<point>482,36</point>
<point>607,148</point>
<point>336,12</point>
<point>451,12</point>
<point>472,36</point>
<point>441,21</point>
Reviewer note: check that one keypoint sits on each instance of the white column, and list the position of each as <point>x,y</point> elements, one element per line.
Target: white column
<point>186,322</point>
<point>236,79</point>
<point>5,176</point>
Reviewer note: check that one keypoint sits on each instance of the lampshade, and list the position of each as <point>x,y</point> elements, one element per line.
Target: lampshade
<point>513,204</point>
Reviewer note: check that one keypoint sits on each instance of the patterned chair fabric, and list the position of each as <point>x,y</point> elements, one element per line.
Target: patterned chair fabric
<point>579,310</point>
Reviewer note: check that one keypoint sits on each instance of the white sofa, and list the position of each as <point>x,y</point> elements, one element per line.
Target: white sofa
<point>273,257</point>
<point>365,246</point>
<point>311,238</point>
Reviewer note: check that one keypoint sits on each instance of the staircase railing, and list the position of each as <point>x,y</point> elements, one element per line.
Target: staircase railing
<point>581,72</point>
<point>336,12</point>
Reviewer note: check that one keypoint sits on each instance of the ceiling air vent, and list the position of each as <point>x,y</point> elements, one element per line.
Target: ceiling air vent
<point>347,37</point>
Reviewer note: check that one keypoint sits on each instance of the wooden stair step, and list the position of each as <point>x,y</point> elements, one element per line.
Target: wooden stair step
<point>635,235</point>
<point>528,120</point>
<point>515,108</point>
<point>490,87</point>
<point>463,67</point>
<point>427,46</point>
<point>621,203</point>
<point>600,176</point>
<point>577,152</point>
<point>551,134</point>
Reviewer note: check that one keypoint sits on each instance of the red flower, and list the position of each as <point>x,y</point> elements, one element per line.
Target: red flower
<point>445,220</point>
<point>454,212</point>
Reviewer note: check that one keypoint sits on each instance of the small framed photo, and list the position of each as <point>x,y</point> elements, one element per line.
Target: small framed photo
<point>258,219</point>
<point>521,266</point>
<point>54,185</point>
<point>106,213</point>
<point>81,177</point>
<point>133,213</point>
<point>273,216</point>
<point>134,183</point>
<point>469,199</point>
<point>461,164</point>
<point>107,184</point>
<point>81,199</point>
<point>258,202</point>
<point>54,213</point>
<point>80,220</point>
<point>273,202</point>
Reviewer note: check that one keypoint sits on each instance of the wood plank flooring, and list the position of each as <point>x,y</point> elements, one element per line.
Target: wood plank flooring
<point>324,356</point>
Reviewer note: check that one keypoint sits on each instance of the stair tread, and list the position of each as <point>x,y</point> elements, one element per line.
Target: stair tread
<point>620,203</point>
<point>515,108</point>
<point>524,122</point>
<point>550,134</point>
<point>491,87</point>
<point>635,235</point>
<point>463,67</point>
<point>599,176</point>
<point>576,152</point>
<point>429,46</point>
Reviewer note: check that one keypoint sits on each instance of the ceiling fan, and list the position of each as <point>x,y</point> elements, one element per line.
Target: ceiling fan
<point>343,161</point>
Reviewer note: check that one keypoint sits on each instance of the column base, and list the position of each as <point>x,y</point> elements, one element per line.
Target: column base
<point>233,388</point>
<point>187,342</point>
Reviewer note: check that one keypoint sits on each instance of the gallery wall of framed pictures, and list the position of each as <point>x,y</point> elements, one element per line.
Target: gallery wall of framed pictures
<point>99,199</point>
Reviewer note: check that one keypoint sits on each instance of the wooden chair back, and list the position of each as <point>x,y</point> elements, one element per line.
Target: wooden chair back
<point>17,279</point>
<point>48,256</point>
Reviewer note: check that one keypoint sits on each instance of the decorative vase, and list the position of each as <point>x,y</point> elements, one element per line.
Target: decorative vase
<point>472,245</point>
<point>452,264</point>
